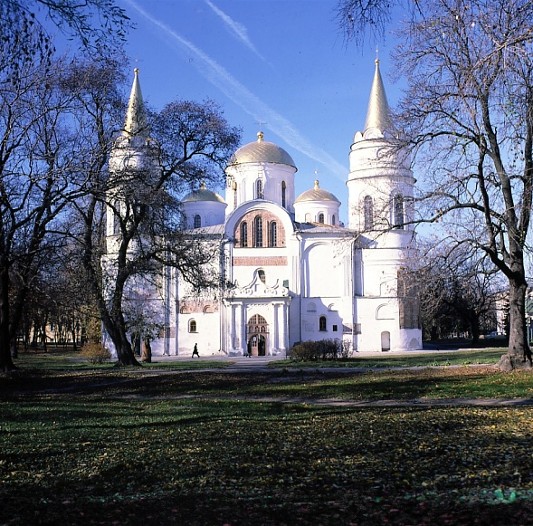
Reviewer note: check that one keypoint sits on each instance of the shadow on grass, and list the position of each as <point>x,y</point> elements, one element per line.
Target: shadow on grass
<point>402,384</point>
<point>242,463</point>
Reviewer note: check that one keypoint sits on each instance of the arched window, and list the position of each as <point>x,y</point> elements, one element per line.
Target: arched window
<point>259,189</point>
<point>368,213</point>
<point>262,275</point>
<point>283,194</point>
<point>244,234</point>
<point>398,211</point>
<point>192,325</point>
<point>333,220</point>
<point>321,218</point>
<point>322,324</point>
<point>197,221</point>
<point>258,231</point>
<point>273,234</point>
<point>234,194</point>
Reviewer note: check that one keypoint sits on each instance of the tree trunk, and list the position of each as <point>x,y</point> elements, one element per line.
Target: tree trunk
<point>474,328</point>
<point>6,361</point>
<point>118,336</point>
<point>146,355</point>
<point>125,354</point>
<point>14,346</point>
<point>518,354</point>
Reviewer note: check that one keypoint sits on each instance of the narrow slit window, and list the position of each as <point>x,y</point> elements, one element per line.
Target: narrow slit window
<point>258,231</point>
<point>273,235</point>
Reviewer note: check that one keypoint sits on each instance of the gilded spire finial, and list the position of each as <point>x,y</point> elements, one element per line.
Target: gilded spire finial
<point>378,115</point>
<point>316,184</point>
<point>260,136</point>
<point>136,115</point>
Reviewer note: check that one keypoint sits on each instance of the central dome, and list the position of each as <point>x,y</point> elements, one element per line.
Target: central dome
<point>261,151</point>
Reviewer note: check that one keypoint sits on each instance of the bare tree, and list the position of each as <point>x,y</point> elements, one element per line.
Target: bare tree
<point>457,289</point>
<point>36,185</point>
<point>190,142</point>
<point>25,38</point>
<point>33,187</point>
<point>468,115</point>
<point>359,20</point>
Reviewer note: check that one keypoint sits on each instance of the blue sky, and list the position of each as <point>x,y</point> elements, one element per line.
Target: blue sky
<point>280,66</point>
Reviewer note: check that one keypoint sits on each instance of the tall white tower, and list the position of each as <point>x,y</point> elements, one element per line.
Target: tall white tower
<point>380,192</point>
<point>380,183</point>
<point>133,166</point>
<point>134,171</point>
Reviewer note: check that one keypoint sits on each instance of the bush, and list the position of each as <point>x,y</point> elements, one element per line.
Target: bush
<point>317,350</point>
<point>95,353</point>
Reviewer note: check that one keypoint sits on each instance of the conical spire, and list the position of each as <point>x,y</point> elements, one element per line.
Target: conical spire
<point>136,114</point>
<point>378,115</point>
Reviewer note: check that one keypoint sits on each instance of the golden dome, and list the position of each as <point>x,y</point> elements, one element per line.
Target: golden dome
<point>316,194</point>
<point>261,151</point>
<point>203,194</point>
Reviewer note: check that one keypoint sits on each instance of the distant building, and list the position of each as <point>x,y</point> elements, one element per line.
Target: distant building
<point>295,273</point>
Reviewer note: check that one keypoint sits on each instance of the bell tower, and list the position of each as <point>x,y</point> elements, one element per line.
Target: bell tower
<point>133,167</point>
<point>380,182</point>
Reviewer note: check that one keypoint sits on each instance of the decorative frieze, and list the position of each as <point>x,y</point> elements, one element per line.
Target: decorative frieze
<point>260,261</point>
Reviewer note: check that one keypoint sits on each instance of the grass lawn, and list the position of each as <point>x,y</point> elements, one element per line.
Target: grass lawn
<point>85,445</point>
<point>416,359</point>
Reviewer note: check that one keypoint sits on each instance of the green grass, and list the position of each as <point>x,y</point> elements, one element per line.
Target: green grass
<point>105,445</point>
<point>430,358</point>
<point>69,360</point>
<point>196,462</point>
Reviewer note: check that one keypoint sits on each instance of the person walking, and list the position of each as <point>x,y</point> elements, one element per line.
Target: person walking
<point>195,351</point>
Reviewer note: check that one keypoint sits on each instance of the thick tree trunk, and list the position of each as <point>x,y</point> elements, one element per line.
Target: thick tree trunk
<point>6,361</point>
<point>518,354</point>
<point>118,336</point>
<point>125,354</point>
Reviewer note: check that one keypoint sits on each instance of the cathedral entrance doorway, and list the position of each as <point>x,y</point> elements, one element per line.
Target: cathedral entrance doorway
<point>257,335</point>
<point>257,345</point>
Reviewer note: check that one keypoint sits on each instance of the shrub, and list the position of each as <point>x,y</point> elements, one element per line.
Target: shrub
<point>95,353</point>
<point>317,350</point>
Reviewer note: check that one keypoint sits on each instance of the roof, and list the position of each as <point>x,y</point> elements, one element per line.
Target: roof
<point>136,114</point>
<point>316,194</point>
<point>206,231</point>
<point>203,195</point>
<point>261,151</point>
<point>378,114</point>
<point>321,228</point>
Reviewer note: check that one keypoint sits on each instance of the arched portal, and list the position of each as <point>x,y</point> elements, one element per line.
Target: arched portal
<point>257,335</point>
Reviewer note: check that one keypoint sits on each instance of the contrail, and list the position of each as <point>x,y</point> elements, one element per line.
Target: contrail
<point>250,103</point>
<point>235,27</point>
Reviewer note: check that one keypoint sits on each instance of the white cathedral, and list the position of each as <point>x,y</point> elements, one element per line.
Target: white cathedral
<point>296,272</point>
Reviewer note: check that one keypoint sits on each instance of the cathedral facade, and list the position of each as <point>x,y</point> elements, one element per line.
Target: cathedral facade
<point>292,271</point>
